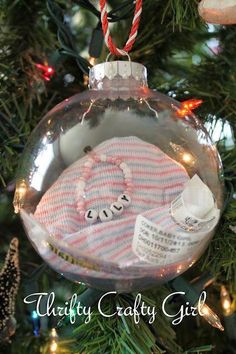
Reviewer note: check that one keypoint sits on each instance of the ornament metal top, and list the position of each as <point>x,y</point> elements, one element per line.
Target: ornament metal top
<point>125,75</point>
<point>120,186</point>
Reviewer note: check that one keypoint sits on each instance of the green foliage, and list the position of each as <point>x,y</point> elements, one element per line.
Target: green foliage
<point>221,254</point>
<point>171,33</point>
<point>120,334</point>
<point>21,41</point>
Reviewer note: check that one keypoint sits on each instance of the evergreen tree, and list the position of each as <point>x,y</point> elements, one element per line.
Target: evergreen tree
<point>186,58</point>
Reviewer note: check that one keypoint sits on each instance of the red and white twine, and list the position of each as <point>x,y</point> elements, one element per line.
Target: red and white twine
<point>133,33</point>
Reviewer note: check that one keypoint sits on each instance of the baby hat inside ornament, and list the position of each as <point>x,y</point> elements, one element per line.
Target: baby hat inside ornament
<point>120,186</point>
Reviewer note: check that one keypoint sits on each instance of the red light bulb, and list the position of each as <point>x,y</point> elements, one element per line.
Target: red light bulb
<point>47,71</point>
<point>187,107</point>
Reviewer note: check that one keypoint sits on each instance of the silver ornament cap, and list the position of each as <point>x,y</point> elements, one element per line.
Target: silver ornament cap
<point>122,73</point>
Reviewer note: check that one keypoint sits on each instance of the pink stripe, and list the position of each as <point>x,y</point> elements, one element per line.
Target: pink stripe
<point>94,199</point>
<point>103,227</point>
<point>121,252</point>
<point>72,207</point>
<point>126,142</point>
<point>134,199</point>
<point>136,172</point>
<point>45,218</point>
<point>50,195</point>
<point>137,185</point>
<point>109,242</point>
<point>55,207</point>
<point>61,228</point>
<point>110,257</point>
<point>61,206</point>
<point>111,225</point>
<point>60,193</point>
<point>70,266</point>
<point>159,173</point>
<point>72,170</point>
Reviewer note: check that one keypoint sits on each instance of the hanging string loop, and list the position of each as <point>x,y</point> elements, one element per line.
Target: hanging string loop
<point>133,33</point>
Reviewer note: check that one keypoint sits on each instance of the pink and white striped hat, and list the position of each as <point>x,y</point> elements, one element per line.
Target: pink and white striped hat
<point>156,181</point>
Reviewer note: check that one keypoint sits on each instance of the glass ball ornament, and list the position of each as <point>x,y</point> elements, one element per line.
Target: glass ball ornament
<point>119,187</point>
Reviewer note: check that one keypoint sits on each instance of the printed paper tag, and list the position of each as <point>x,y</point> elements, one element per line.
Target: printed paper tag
<point>194,209</point>
<point>153,244</point>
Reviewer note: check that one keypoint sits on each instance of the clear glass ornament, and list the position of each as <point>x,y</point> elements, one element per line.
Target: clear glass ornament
<point>119,137</point>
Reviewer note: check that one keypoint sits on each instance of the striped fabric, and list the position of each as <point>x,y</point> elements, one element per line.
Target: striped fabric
<point>157,181</point>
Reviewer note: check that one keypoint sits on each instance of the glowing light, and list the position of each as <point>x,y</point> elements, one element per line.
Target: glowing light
<point>185,156</point>
<point>187,107</point>
<point>22,188</point>
<point>47,71</point>
<point>179,268</point>
<point>210,316</point>
<point>191,264</point>
<point>226,301</point>
<point>34,315</point>
<point>20,193</point>
<point>54,333</point>
<point>35,323</point>
<point>53,346</point>
<point>92,60</point>
<point>226,305</point>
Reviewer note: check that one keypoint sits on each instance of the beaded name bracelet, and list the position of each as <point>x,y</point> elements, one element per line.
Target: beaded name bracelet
<point>117,207</point>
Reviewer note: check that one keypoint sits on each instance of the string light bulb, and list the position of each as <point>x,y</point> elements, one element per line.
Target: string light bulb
<point>226,301</point>
<point>186,107</point>
<point>53,347</point>
<point>36,323</point>
<point>187,157</point>
<point>54,333</point>
<point>19,197</point>
<point>92,60</point>
<point>34,315</point>
<point>46,71</point>
<point>210,316</point>
<point>54,341</point>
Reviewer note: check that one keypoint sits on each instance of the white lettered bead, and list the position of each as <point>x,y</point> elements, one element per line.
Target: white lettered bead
<point>117,208</point>
<point>124,199</point>
<point>105,215</point>
<point>91,216</point>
